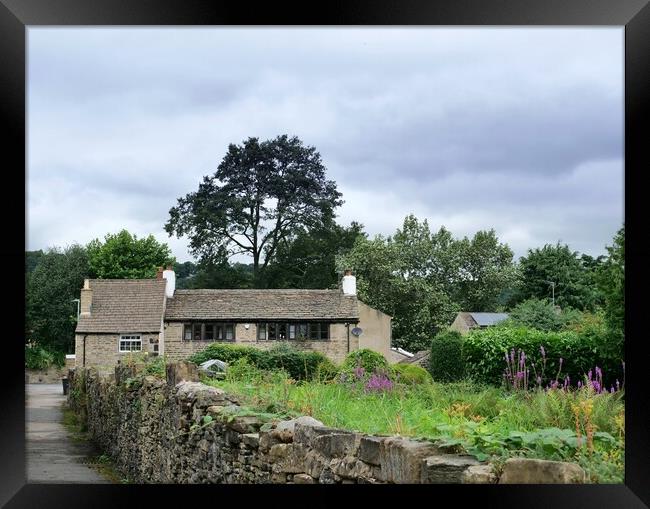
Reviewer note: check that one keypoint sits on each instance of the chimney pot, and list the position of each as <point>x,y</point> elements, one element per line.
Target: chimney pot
<point>349,284</point>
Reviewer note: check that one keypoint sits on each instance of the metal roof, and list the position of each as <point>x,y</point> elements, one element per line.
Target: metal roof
<point>485,319</point>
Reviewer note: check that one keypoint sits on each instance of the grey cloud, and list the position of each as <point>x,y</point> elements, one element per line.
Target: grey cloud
<point>470,127</point>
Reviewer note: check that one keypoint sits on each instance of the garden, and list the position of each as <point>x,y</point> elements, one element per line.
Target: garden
<point>496,393</point>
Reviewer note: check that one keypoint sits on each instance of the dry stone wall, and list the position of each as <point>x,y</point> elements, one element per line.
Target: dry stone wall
<point>181,431</point>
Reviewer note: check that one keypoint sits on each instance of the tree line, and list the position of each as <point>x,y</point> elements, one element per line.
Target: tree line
<point>272,202</point>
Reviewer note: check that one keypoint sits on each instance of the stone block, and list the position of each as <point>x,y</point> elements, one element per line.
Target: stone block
<point>534,471</point>
<point>304,420</point>
<point>369,449</point>
<point>335,445</point>
<point>245,424</point>
<point>350,467</point>
<point>401,459</point>
<point>303,479</point>
<point>479,474</point>
<point>251,440</point>
<point>181,371</point>
<point>446,469</point>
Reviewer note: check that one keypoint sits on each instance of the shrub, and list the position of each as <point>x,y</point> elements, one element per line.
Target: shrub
<point>369,360</point>
<point>37,357</point>
<point>411,374</point>
<point>447,362</point>
<point>299,364</point>
<point>541,315</point>
<point>484,353</point>
<point>326,370</point>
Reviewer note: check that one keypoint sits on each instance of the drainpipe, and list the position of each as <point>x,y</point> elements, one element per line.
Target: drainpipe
<point>347,325</point>
<point>84,360</point>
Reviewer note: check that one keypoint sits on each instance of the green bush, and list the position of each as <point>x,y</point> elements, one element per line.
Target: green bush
<point>541,314</point>
<point>37,357</point>
<point>446,362</point>
<point>581,350</point>
<point>411,374</point>
<point>326,370</point>
<point>300,365</point>
<point>367,359</point>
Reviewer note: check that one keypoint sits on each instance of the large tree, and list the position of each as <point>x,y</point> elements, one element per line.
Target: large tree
<point>124,256</point>
<point>51,314</point>
<point>261,194</point>
<point>485,271</point>
<point>611,282</point>
<point>573,284</point>
<point>422,279</point>
<point>308,258</point>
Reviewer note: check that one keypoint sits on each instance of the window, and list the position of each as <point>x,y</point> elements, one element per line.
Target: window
<point>209,331</point>
<point>130,343</point>
<point>282,331</point>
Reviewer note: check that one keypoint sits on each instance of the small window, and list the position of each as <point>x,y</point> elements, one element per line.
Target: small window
<point>261,331</point>
<point>187,332</point>
<point>271,331</point>
<point>282,331</point>
<point>209,331</point>
<point>130,343</point>
<point>230,331</point>
<point>197,331</point>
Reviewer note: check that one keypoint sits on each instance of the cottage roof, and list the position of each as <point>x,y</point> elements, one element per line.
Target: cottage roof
<point>124,305</point>
<point>486,319</point>
<point>251,305</point>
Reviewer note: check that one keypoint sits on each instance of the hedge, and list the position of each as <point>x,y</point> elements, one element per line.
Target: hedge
<point>299,364</point>
<point>484,350</point>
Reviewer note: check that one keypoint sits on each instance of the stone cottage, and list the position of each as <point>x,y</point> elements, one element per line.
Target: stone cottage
<point>120,316</point>
<point>465,320</point>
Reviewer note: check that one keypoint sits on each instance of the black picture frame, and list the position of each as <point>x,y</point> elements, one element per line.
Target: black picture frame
<point>17,15</point>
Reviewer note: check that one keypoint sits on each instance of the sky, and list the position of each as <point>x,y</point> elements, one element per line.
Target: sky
<point>515,129</point>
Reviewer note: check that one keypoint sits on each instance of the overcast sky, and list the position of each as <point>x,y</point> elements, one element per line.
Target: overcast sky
<point>516,129</point>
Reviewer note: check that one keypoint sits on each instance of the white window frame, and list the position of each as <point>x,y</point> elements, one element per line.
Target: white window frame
<point>131,338</point>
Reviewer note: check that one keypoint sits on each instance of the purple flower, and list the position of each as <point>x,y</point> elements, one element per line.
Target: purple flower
<point>359,371</point>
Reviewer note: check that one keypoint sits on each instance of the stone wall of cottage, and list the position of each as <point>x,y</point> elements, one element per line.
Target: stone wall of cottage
<point>180,431</point>
<point>336,348</point>
<point>102,350</point>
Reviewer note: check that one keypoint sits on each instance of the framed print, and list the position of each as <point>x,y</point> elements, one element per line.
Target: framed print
<point>371,243</point>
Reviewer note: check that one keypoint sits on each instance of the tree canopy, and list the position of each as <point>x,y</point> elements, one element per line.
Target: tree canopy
<point>261,194</point>
<point>51,314</point>
<point>123,255</point>
<point>572,278</point>
<point>308,258</point>
<point>422,279</point>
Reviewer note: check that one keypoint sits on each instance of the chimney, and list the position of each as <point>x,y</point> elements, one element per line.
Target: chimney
<point>86,299</point>
<point>159,274</point>
<point>170,276</point>
<point>349,284</point>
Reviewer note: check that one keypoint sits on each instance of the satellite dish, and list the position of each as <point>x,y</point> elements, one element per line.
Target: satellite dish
<point>357,331</point>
